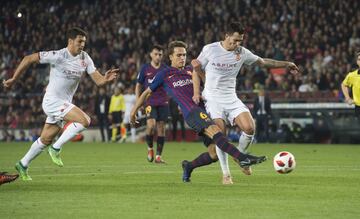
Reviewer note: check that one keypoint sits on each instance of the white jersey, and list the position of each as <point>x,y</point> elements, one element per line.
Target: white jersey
<point>65,72</point>
<point>130,100</point>
<point>221,68</point>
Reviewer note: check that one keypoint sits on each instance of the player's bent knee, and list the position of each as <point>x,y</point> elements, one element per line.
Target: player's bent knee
<point>151,128</point>
<point>212,130</point>
<point>161,128</point>
<point>86,121</point>
<point>250,130</point>
<point>46,141</point>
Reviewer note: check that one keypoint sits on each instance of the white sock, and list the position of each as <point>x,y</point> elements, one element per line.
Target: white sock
<point>223,160</point>
<point>71,131</point>
<point>36,148</point>
<point>244,142</point>
<point>133,135</point>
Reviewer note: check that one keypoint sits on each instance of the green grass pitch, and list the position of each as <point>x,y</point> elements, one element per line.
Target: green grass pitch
<point>116,181</point>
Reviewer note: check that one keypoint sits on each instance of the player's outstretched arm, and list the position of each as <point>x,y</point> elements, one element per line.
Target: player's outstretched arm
<point>139,102</point>
<point>23,66</point>
<point>101,80</point>
<point>197,76</point>
<point>271,63</point>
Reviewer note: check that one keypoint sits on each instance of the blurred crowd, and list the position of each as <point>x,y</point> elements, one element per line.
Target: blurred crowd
<point>321,37</point>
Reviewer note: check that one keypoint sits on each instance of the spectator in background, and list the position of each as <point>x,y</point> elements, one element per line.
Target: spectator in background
<point>262,113</point>
<point>102,104</point>
<point>308,85</point>
<point>22,136</point>
<point>126,41</point>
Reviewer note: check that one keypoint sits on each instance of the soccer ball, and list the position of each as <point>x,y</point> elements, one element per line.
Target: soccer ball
<point>284,162</point>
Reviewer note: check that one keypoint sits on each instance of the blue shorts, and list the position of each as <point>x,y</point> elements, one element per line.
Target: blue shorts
<point>159,113</point>
<point>198,120</point>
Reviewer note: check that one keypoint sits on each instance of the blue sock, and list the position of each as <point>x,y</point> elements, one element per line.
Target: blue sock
<point>202,160</point>
<point>223,143</point>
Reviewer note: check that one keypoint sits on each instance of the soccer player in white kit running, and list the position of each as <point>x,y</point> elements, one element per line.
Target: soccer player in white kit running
<point>221,62</point>
<point>67,65</point>
<point>130,100</point>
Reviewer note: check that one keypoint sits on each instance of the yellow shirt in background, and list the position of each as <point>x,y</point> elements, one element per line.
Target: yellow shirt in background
<point>117,103</point>
<point>352,80</point>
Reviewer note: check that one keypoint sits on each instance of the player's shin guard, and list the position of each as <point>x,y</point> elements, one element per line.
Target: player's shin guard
<point>245,141</point>
<point>36,148</point>
<point>72,130</point>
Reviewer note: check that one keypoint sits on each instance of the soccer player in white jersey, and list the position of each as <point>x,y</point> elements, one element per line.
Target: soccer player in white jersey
<point>67,65</point>
<point>221,62</point>
<point>130,100</point>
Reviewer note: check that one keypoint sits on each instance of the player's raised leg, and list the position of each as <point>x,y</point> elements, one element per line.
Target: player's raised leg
<point>223,143</point>
<point>79,122</point>
<point>47,135</point>
<point>246,123</point>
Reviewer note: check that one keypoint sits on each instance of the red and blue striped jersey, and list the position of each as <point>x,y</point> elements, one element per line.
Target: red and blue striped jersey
<point>178,85</point>
<point>145,78</point>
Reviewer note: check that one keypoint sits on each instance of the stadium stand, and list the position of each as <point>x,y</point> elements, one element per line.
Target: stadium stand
<point>320,36</point>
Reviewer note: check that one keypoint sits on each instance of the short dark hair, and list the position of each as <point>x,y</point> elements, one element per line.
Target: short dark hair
<point>158,47</point>
<point>75,31</point>
<point>235,27</point>
<point>174,44</point>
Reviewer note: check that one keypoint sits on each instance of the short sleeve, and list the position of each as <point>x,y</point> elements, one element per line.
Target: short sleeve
<point>90,65</point>
<point>141,75</point>
<point>347,81</point>
<point>203,57</point>
<point>49,57</point>
<point>158,80</point>
<point>250,57</point>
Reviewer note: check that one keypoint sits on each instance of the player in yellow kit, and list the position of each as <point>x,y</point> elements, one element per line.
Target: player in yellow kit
<point>116,112</point>
<point>352,80</point>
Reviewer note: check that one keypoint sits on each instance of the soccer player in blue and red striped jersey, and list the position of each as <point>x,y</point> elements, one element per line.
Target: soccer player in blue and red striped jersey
<point>156,105</point>
<point>177,82</point>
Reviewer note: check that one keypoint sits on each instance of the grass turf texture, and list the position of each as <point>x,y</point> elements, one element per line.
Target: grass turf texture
<point>116,181</point>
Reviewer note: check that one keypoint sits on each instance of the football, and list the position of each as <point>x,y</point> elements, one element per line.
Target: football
<point>284,162</point>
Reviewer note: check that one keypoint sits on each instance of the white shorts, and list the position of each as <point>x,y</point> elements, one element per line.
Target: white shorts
<point>227,111</point>
<point>56,109</point>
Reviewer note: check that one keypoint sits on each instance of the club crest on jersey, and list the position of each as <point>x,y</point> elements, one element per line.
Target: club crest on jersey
<point>237,53</point>
<point>203,115</point>
<point>82,63</point>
